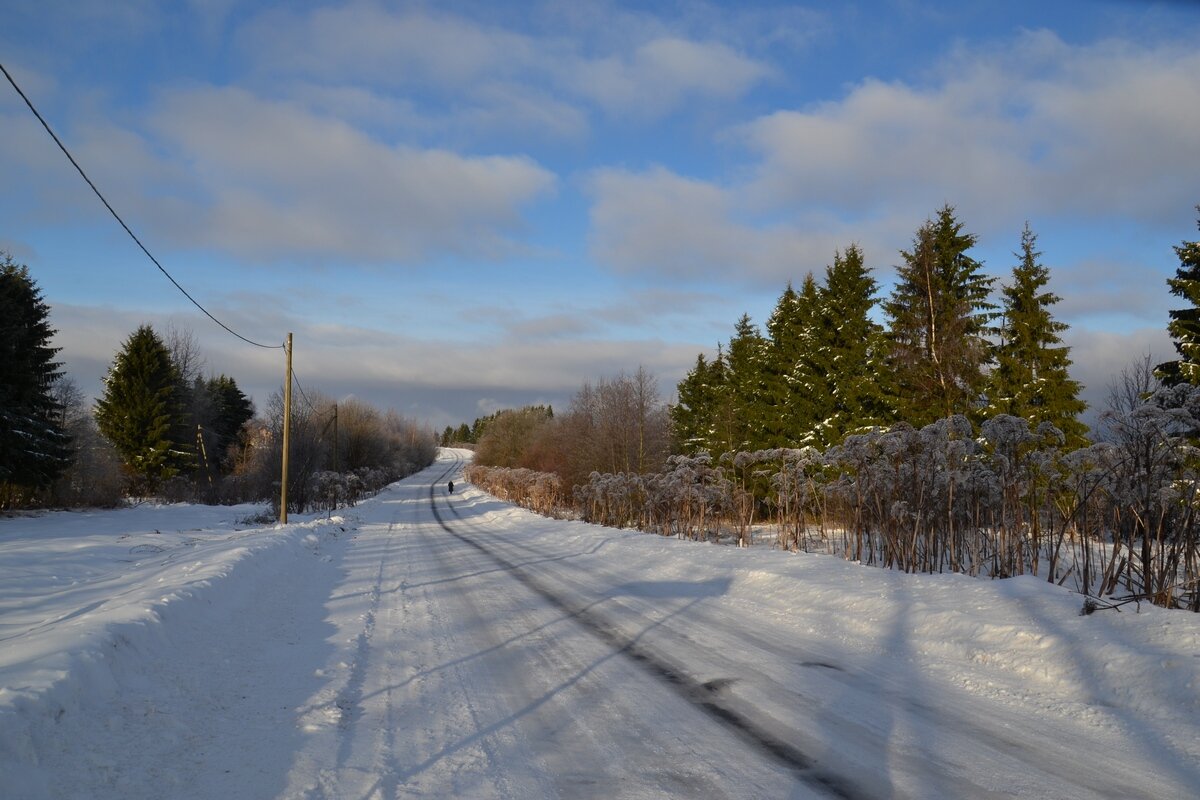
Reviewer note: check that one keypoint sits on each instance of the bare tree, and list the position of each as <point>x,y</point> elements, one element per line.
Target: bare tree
<point>185,353</point>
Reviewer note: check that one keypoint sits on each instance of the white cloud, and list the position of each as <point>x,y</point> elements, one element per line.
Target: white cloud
<point>1034,130</point>
<point>1038,127</point>
<point>368,41</point>
<point>452,60</point>
<point>438,380</point>
<point>1096,290</point>
<point>1099,356</point>
<point>662,222</point>
<point>415,375</point>
<point>662,73</point>
<point>511,107</point>
<point>277,181</point>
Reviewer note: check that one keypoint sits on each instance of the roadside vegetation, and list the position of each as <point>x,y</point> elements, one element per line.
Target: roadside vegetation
<point>166,428</point>
<point>946,438</point>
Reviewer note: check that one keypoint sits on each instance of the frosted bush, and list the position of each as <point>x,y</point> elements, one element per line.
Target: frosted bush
<point>1119,515</point>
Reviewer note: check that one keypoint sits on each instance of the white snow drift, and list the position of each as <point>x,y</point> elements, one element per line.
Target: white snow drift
<point>171,651</point>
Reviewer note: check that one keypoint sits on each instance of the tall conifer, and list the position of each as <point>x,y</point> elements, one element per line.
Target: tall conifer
<point>939,318</point>
<point>809,379</point>
<point>853,349</point>
<point>33,446</point>
<point>139,410</point>
<point>787,375</point>
<point>1184,326</point>
<point>1031,377</point>
<point>748,406</point>
<point>226,410</point>
<point>695,419</point>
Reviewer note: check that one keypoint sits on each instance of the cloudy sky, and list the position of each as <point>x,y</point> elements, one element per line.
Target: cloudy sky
<point>461,206</point>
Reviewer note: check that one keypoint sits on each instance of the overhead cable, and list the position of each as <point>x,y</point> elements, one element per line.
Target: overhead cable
<point>309,403</point>
<point>117,216</point>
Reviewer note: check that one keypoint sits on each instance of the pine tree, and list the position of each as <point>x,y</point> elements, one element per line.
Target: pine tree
<point>853,349</point>
<point>1184,326</point>
<point>139,409</point>
<point>1031,377</point>
<point>34,449</point>
<point>939,318</point>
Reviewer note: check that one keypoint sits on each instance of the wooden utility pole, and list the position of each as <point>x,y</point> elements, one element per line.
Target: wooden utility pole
<point>287,428</point>
<point>203,453</point>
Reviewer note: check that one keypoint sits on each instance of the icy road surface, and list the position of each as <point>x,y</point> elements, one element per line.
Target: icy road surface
<point>435,645</point>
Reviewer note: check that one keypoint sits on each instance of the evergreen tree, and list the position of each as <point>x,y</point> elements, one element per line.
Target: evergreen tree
<point>34,449</point>
<point>139,409</point>
<point>788,394</point>
<point>217,412</point>
<point>783,350</point>
<point>939,318</point>
<point>808,377</point>
<point>1031,378</point>
<point>748,407</point>
<point>1184,326</point>
<point>231,410</point>
<point>463,434</point>
<point>696,420</point>
<point>688,428</point>
<point>852,349</point>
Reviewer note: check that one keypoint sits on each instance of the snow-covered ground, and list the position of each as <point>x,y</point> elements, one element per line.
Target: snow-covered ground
<point>432,645</point>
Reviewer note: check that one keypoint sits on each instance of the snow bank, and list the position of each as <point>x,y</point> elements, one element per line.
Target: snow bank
<point>140,648</point>
<point>87,599</point>
<point>1010,650</point>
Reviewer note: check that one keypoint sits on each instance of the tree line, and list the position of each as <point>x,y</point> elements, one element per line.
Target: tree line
<point>614,424</point>
<point>826,368</point>
<point>946,439</point>
<point>164,428</point>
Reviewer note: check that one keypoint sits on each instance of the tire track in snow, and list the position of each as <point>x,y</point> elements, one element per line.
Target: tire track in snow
<point>468,706</point>
<point>704,696</point>
<point>994,742</point>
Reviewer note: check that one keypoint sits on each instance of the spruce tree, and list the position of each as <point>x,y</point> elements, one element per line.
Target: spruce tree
<point>781,355</point>
<point>1184,326</point>
<point>1031,377</point>
<point>939,318</point>
<point>788,389</point>
<point>809,378</point>
<point>139,409</point>
<point>230,410</point>
<point>34,449</point>
<point>853,349</point>
<point>691,417</point>
<point>745,419</point>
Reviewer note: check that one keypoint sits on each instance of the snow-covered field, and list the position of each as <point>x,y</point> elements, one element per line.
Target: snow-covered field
<point>432,645</point>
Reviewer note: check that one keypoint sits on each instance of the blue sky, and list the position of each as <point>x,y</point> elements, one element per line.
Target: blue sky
<point>460,206</point>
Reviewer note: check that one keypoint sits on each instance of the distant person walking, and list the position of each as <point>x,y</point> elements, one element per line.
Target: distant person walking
<point>451,487</point>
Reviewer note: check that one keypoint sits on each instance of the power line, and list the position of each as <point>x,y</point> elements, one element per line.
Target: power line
<point>117,216</point>
<point>296,380</point>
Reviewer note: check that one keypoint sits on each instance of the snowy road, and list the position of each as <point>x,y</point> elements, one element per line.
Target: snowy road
<point>435,645</point>
<point>467,679</point>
